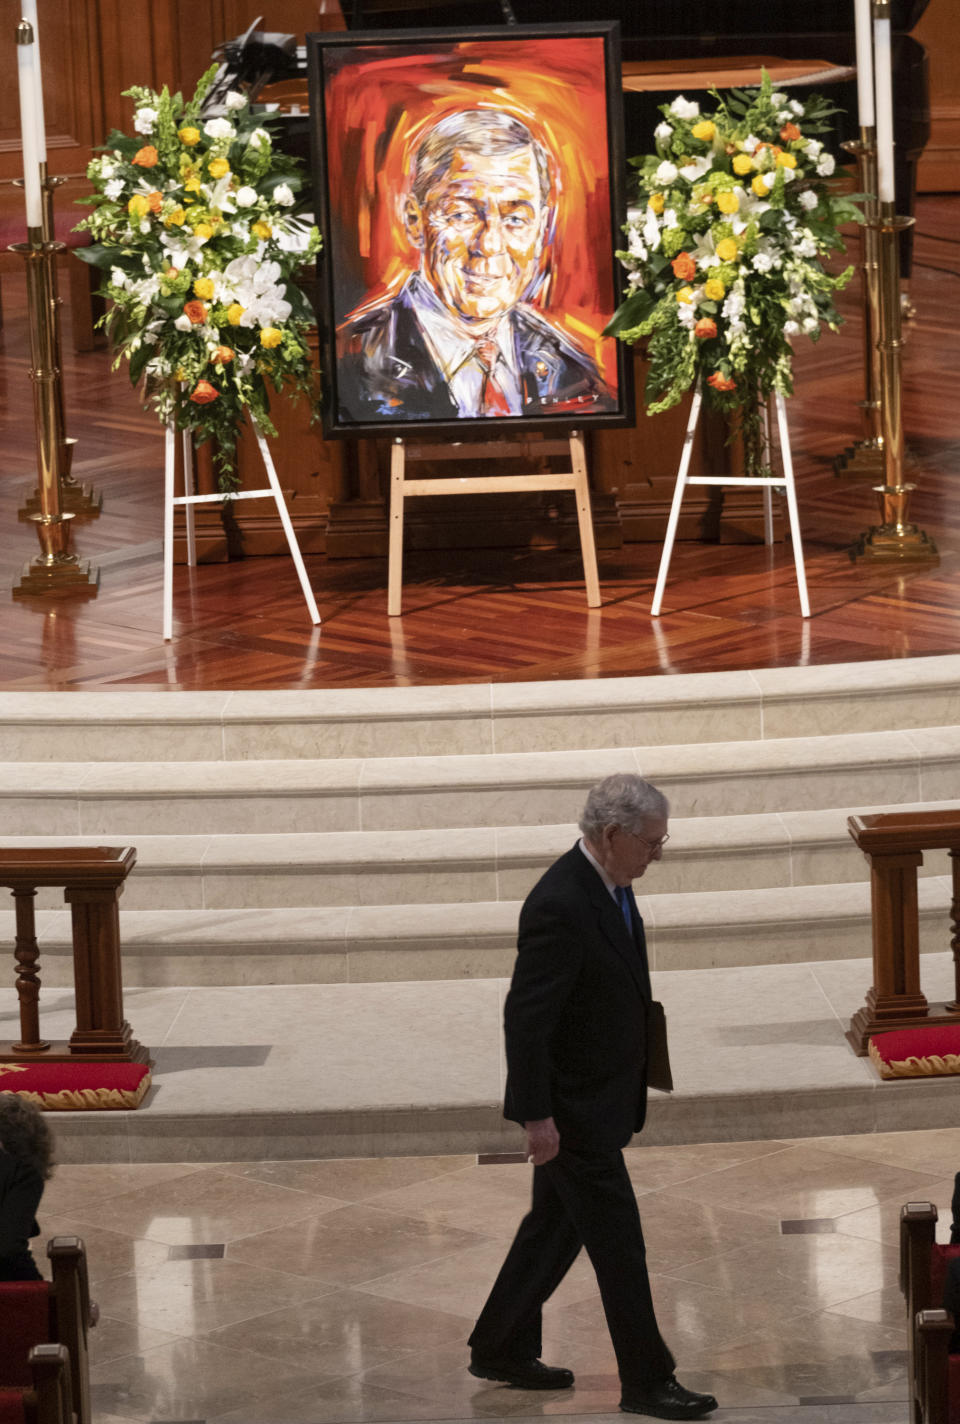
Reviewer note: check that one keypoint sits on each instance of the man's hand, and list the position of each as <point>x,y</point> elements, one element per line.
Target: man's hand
<point>543,1141</point>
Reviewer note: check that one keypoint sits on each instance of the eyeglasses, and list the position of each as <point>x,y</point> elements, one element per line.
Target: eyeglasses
<point>652,846</point>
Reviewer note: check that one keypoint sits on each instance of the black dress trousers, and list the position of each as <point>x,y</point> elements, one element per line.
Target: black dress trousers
<point>579,1199</point>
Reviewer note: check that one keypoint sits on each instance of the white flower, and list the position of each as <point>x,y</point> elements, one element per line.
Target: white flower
<point>114,188</point>
<point>808,200</point>
<point>245,197</point>
<point>651,230</point>
<point>768,180</point>
<point>663,131</point>
<point>762,262</point>
<point>696,169</point>
<point>812,147</point>
<point>144,120</point>
<point>219,128</point>
<point>635,216</point>
<point>255,286</point>
<point>778,98</point>
<point>637,248</point>
<point>686,314</point>
<point>685,108</point>
<point>635,279</point>
<point>670,218</point>
<point>259,139</point>
<point>145,226</point>
<point>784,116</point>
<point>797,108</point>
<point>666,173</point>
<point>283,194</point>
<point>118,277</point>
<point>235,100</point>
<point>751,143</point>
<point>107,169</point>
<point>806,247</point>
<point>810,324</point>
<point>788,175</point>
<point>183,323</point>
<point>791,328</point>
<point>826,163</point>
<point>704,254</point>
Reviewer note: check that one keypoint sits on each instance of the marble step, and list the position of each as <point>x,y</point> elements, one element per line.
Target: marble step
<point>480,718</point>
<point>392,943</point>
<point>345,868</point>
<point>364,1070</point>
<point>123,800</point>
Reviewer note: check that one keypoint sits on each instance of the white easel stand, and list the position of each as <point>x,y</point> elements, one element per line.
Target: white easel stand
<point>188,500</point>
<point>769,483</point>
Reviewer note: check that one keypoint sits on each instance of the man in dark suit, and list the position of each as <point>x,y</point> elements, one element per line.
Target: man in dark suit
<point>576,1021</point>
<point>462,337</point>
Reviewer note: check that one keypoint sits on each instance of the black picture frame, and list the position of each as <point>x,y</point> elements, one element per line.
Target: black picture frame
<point>566,397</point>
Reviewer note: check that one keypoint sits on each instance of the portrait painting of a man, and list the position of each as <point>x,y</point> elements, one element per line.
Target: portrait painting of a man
<point>469,231</point>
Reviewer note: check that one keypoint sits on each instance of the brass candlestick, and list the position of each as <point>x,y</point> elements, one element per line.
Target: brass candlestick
<point>864,458</point>
<point>78,499</point>
<point>894,539</point>
<point>56,571</point>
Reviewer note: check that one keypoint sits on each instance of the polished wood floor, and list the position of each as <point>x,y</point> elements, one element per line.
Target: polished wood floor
<point>496,615</point>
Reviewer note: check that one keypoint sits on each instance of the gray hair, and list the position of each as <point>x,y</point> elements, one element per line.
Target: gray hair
<point>486,131</point>
<point>622,800</point>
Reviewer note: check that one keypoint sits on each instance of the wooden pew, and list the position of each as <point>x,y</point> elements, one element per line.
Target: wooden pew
<point>47,1400</point>
<point>50,1314</point>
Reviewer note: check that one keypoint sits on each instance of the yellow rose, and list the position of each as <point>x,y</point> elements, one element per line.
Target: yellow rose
<point>655,202</point>
<point>727,249</point>
<point>193,185</point>
<point>263,230</point>
<point>218,167</point>
<point>685,295</point>
<point>175,219</point>
<point>728,202</point>
<point>759,185</point>
<point>203,288</point>
<point>713,289</point>
<point>202,229</point>
<point>742,164</point>
<point>705,129</point>
<point>188,136</point>
<point>234,313</point>
<point>271,336</point>
<point>786,160</point>
<point>138,206</point>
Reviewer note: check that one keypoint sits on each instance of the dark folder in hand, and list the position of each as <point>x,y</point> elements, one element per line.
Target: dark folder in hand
<point>658,1054</point>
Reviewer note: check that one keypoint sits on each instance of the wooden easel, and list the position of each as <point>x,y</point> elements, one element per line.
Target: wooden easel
<point>402,489</point>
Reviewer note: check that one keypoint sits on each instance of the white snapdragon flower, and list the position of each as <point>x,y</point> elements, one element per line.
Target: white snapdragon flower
<point>219,128</point>
<point>810,325</point>
<point>283,194</point>
<point>685,108</point>
<point>663,131</point>
<point>118,278</point>
<point>791,328</point>
<point>235,100</point>
<point>144,120</point>
<point>813,147</point>
<point>666,173</point>
<point>808,200</point>
<point>784,116</point>
<point>670,218</point>
<point>245,197</point>
<point>826,163</point>
<point>636,247</point>
<point>778,98</point>
<point>796,108</point>
<point>762,262</point>
<point>751,143</point>
<point>635,279</point>
<point>183,323</point>
<point>107,169</point>
<point>259,139</point>
<point>806,247</point>
<point>114,188</point>
<point>696,168</point>
<point>687,315</point>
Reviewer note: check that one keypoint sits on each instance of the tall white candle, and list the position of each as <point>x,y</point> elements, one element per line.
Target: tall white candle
<point>27,76</point>
<point>28,10</point>
<point>864,63</point>
<point>884,81</point>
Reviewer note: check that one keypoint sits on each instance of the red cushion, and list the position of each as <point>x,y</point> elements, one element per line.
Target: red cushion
<point>11,1407</point>
<point>14,229</point>
<point>24,1322</point>
<point>953,1390</point>
<point>939,1257</point>
<point>926,1051</point>
<point>77,1086</point>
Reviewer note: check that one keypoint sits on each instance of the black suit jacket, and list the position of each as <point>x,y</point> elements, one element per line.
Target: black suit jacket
<point>575,1018</point>
<point>21,1188</point>
<point>385,369</point>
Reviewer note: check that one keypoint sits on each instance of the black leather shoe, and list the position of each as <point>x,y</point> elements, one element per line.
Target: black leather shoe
<point>522,1374</point>
<point>669,1400</point>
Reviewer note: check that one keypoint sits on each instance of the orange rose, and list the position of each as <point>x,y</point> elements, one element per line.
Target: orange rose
<point>203,393</point>
<point>146,157</point>
<point>196,311</point>
<point>789,133</point>
<point>223,355</point>
<point>684,267</point>
<point>155,200</point>
<point>721,382</point>
<point>705,328</point>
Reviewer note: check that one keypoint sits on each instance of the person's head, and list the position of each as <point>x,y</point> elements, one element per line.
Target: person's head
<point>24,1133</point>
<point>480,209</point>
<point>624,824</point>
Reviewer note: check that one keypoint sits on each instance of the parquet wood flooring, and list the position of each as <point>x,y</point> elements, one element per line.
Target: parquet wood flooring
<point>494,614</point>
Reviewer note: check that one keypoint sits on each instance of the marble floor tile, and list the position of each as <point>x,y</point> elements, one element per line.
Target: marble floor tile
<point>653,1167</point>
<point>109,1253</point>
<point>934,1150</point>
<point>882,1222</point>
<point>75,1183</point>
<point>113,1338</point>
<point>350,1179</point>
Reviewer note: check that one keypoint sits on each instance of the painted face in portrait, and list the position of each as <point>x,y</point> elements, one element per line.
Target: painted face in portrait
<point>480,230</point>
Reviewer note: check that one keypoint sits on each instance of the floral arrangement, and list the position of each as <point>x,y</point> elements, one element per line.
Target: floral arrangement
<point>195,222</point>
<point>725,249</point>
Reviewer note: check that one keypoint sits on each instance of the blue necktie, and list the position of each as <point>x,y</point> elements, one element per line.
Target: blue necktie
<point>623,900</point>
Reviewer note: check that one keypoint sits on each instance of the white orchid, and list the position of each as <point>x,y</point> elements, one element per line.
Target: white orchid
<point>696,168</point>
<point>651,230</point>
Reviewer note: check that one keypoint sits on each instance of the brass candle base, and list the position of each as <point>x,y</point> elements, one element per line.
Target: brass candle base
<point>863,460</point>
<point>65,577</point>
<point>894,540</point>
